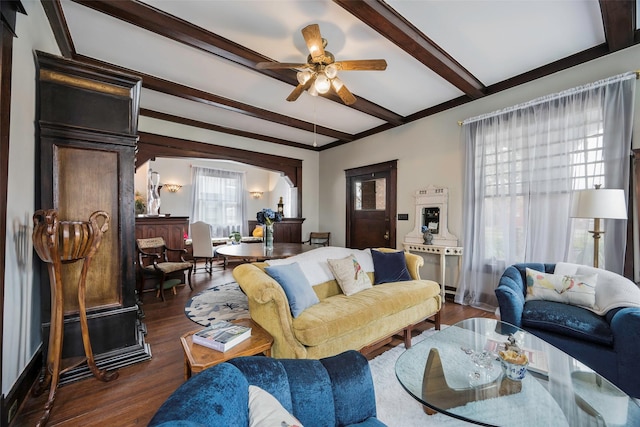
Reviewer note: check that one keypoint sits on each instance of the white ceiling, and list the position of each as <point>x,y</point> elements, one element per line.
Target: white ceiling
<point>492,40</point>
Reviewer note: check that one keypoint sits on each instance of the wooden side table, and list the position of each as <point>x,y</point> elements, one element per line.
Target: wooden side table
<point>197,358</point>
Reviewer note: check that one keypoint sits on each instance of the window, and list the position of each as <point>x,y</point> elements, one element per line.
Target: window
<point>523,165</point>
<point>515,181</point>
<point>219,200</point>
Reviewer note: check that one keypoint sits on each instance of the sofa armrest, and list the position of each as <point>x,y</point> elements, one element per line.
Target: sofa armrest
<point>625,325</point>
<point>510,294</point>
<point>414,262</point>
<point>269,307</point>
<point>218,396</point>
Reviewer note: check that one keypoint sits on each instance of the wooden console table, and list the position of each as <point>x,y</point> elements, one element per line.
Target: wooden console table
<point>171,228</point>
<point>442,252</point>
<point>289,230</point>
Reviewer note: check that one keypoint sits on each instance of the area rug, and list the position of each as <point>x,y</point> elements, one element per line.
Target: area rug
<point>396,407</point>
<point>219,302</point>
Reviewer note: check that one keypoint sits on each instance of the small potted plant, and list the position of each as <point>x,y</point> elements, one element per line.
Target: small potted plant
<point>235,237</point>
<point>141,208</point>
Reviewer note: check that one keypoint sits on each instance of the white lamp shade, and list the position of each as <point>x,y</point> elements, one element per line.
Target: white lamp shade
<point>599,203</point>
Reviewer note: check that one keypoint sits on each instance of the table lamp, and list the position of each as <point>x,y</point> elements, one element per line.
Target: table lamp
<point>599,203</point>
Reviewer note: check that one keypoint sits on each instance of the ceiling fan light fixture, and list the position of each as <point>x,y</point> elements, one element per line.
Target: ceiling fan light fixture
<point>303,76</point>
<point>322,84</point>
<point>312,90</point>
<point>331,71</point>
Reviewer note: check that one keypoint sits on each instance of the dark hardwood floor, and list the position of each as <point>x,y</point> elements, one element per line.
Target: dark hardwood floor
<point>134,397</point>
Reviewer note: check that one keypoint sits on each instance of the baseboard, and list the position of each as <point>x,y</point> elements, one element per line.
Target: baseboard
<point>114,359</point>
<point>21,389</point>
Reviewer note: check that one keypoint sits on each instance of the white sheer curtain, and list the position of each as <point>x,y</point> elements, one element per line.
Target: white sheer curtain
<point>218,198</point>
<point>521,167</point>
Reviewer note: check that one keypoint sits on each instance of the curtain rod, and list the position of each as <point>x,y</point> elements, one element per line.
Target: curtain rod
<point>637,73</point>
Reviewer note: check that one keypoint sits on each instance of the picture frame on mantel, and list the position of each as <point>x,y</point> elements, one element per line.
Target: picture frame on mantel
<point>432,212</point>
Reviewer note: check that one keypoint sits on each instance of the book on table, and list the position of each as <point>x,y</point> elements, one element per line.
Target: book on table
<point>222,335</point>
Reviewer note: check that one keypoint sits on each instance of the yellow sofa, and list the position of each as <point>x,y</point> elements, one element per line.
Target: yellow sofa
<point>339,322</point>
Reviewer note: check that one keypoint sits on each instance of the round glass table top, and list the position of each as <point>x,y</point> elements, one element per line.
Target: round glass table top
<point>457,371</point>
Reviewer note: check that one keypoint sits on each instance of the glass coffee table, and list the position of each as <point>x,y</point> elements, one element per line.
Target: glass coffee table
<point>456,371</point>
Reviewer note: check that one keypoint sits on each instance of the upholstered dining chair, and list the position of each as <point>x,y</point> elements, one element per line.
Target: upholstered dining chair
<point>318,238</point>
<point>154,262</point>
<point>202,246</point>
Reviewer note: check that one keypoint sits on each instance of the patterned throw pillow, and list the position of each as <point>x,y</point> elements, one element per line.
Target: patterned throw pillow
<point>266,411</point>
<point>349,275</point>
<point>574,290</point>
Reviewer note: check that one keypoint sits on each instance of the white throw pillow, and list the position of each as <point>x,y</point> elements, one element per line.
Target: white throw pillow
<point>349,275</point>
<point>266,411</point>
<point>575,290</point>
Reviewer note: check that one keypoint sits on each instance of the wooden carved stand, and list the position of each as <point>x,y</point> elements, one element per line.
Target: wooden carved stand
<point>57,243</point>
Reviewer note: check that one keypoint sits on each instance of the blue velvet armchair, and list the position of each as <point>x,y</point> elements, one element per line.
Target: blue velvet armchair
<point>609,344</point>
<point>335,391</point>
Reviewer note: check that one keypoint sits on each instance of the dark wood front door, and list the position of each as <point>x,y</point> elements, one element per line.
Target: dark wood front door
<point>371,206</point>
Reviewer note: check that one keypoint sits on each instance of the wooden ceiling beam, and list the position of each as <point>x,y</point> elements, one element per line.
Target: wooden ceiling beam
<point>222,129</point>
<point>196,95</point>
<point>619,20</point>
<point>58,23</point>
<point>164,24</point>
<point>153,145</point>
<point>390,24</point>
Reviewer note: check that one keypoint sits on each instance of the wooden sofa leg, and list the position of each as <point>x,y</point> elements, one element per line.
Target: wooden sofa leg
<point>407,336</point>
<point>437,321</point>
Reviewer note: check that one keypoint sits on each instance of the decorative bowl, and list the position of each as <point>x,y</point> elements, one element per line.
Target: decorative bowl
<point>514,365</point>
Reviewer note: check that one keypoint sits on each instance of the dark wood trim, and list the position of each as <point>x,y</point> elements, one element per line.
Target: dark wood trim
<point>390,24</point>
<point>634,197</point>
<point>8,12</point>
<point>169,26</point>
<point>6,47</point>
<point>216,128</point>
<point>629,254</point>
<point>619,20</point>
<point>58,23</point>
<point>390,167</point>
<point>151,146</point>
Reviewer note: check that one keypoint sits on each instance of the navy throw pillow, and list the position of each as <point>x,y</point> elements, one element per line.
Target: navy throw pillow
<point>389,267</point>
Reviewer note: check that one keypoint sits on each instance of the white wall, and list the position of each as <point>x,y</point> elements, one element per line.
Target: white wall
<point>178,171</point>
<point>21,334</point>
<point>430,151</point>
<point>272,193</point>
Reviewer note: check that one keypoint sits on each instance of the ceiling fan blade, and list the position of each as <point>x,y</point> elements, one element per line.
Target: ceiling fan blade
<point>362,64</point>
<point>278,65</point>
<point>342,91</point>
<point>295,94</point>
<point>312,37</point>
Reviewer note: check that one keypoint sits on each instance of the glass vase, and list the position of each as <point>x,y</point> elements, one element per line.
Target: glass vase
<point>267,234</point>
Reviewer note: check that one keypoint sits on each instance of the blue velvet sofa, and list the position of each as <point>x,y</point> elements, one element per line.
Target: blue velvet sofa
<point>335,391</point>
<point>609,344</point>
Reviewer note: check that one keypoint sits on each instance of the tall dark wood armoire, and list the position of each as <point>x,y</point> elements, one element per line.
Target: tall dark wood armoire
<point>85,155</point>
